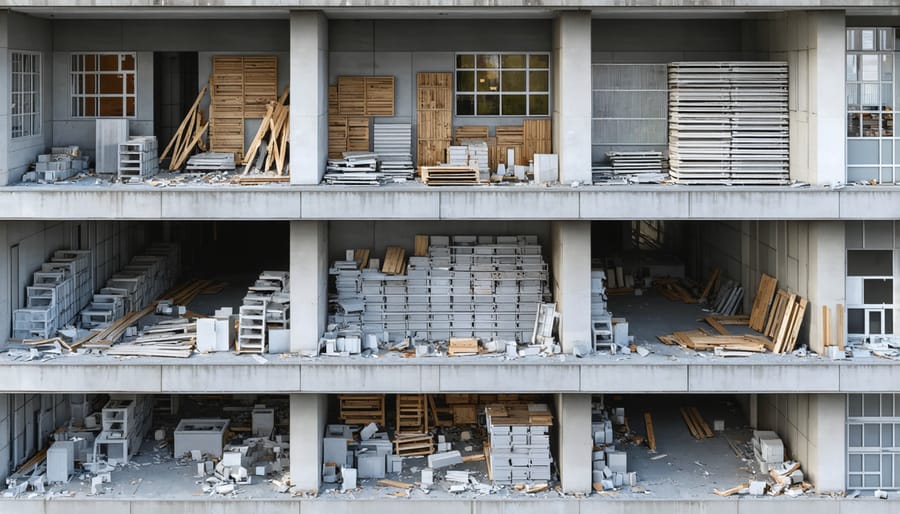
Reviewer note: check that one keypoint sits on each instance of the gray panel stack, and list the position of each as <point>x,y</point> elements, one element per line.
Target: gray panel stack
<point>57,293</point>
<point>109,133</point>
<point>392,145</point>
<point>520,442</point>
<point>468,286</point>
<point>728,122</point>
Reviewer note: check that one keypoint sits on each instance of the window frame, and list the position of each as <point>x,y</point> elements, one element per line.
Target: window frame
<point>35,115</point>
<point>884,453</point>
<point>528,93</point>
<point>78,100</point>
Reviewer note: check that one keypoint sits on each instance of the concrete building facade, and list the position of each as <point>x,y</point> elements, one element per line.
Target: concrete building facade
<point>825,238</point>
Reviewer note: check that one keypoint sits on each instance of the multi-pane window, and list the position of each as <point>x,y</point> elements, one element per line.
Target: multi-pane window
<point>873,441</point>
<point>870,279</point>
<point>103,85</point>
<point>872,148</point>
<point>503,84</point>
<point>25,94</point>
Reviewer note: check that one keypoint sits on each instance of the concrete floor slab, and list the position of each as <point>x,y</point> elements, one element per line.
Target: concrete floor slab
<point>260,378</point>
<point>370,203</point>
<point>82,506</point>
<point>509,203</point>
<point>493,506</point>
<point>660,506</point>
<point>768,506</point>
<point>777,204</point>
<point>511,378</point>
<point>22,506</point>
<point>228,204</point>
<point>863,378</point>
<point>361,379</point>
<point>254,507</point>
<point>391,505</point>
<point>43,377</point>
<point>635,378</point>
<point>170,507</point>
<point>763,378</point>
<point>612,204</point>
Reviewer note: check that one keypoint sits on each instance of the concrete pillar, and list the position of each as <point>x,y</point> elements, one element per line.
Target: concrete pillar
<point>828,117</point>
<point>309,284</point>
<point>572,95</point>
<point>826,269</point>
<point>573,419</point>
<point>5,446</point>
<point>309,96</point>
<point>827,454</point>
<point>4,93</point>
<point>571,272</point>
<point>309,413</point>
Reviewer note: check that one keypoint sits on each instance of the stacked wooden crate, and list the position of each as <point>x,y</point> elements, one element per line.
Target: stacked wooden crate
<point>350,104</point>
<point>434,111</point>
<point>361,409</point>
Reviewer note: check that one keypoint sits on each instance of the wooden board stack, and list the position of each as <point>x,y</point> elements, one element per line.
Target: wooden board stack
<point>728,122</point>
<point>536,138</point>
<point>361,409</point>
<point>412,414</point>
<point>434,111</point>
<point>450,175</point>
<point>347,134</point>
<point>394,261</point>
<point>698,427</point>
<point>365,96</point>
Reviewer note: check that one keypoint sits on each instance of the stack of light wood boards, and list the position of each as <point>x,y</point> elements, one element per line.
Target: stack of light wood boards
<point>830,337</point>
<point>695,423</point>
<point>532,137</point>
<point>240,87</point>
<point>394,261</point>
<point>365,96</point>
<point>188,136</point>
<point>700,340</point>
<point>460,346</point>
<point>434,113</point>
<point>361,409</point>
<point>175,338</point>
<point>536,138</point>
<point>450,175</point>
<point>412,414</point>
<point>347,134</point>
<point>728,122</point>
<point>275,128</point>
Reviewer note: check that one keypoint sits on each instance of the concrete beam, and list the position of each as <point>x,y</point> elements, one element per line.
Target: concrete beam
<point>309,413</point>
<point>309,284</point>
<point>572,94</point>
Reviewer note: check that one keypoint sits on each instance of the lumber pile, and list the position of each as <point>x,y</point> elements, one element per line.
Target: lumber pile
<point>450,175</point>
<point>700,340</point>
<point>695,423</point>
<point>175,338</point>
<point>188,136</point>
<point>461,346</point>
<point>394,261</point>
<point>275,129</point>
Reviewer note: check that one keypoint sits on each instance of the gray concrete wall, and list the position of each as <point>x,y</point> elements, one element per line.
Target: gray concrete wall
<point>5,425</point>
<point>812,427</point>
<point>402,48</point>
<point>26,33</point>
<point>665,41</point>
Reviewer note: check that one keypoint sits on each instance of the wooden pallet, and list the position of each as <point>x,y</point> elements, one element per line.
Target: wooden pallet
<point>411,445</point>
<point>763,300</point>
<point>365,96</point>
<point>470,132</point>
<point>449,175</point>
<point>361,409</point>
<point>434,112</point>
<point>536,138</point>
<point>465,414</point>
<point>241,87</point>
<point>394,261</point>
<point>412,414</point>
<point>347,134</point>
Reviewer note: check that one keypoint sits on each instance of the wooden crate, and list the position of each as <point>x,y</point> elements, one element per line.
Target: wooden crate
<point>409,445</point>
<point>432,152</point>
<point>333,101</point>
<point>465,414</point>
<point>347,134</point>
<point>412,414</point>
<point>362,409</point>
<point>536,138</point>
<point>470,132</point>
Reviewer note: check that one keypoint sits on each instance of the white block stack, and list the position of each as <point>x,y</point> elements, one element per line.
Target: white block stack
<point>520,442</point>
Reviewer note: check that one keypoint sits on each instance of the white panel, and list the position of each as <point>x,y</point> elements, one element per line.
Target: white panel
<point>854,291</point>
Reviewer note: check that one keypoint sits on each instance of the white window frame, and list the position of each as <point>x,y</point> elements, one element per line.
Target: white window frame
<point>886,454</point>
<point>81,76</point>
<point>24,82</point>
<point>855,282</point>
<point>527,93</point>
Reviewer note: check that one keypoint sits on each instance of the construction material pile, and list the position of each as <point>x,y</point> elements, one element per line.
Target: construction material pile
<point>392,148</point>
<point>59,290</point>
<point>264,318</point>
<point>519,442</point>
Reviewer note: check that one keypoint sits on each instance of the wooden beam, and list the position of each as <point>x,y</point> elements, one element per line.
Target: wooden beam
<point>651,437</point>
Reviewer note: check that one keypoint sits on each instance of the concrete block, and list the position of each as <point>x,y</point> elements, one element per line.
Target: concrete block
<point>442,460</point>
<point>348,479</point>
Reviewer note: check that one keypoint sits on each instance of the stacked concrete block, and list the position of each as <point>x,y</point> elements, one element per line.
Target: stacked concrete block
<point>520,442</point>
<point>768,450</point>
<point>56,295</point>
<point>266,305</point>
<point>60,164</point>
<point>125,421</point>
<point>138,158</point>
<point>467,286</point>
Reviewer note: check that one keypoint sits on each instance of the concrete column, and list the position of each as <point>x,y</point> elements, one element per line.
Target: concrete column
<point>5,446</point>
<point>573,419</point>
<point>827,455</point>
<point>309,413</point>
<point>571,266</point>
<point>4,94</point>
<point>309,96</point>
<point>309,284</point>
<point>828,117</point>
<point>826,269</point>
<point>572,95</point>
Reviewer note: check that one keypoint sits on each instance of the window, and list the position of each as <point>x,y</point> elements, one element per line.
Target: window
<point>503,84</point>
<point>870,280</point>
<point>25,94</point>
<point>103,85</point>
<point>873,441</point>
<point>871,144</point>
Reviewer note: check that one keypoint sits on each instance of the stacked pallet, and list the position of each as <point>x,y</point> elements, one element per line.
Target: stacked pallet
<point>450,175</point>
<point>361,409</point>
<point>412,414</point>
<point>434,111</point>
<point>519,443</point>
<point>638,167</point>
<point>728,122</point>
<point>365,96</point>
<point>471,286</point>
<point>347,134</point>
<point>58,291</point>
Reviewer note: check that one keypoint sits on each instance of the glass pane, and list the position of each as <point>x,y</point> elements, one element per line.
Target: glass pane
<point>129,106</point>
<point>878,291</point>
<point>887,407</point>
<point>111,107</point>
<point>853,38</point>
<point>871,480</point>
<point>512,81</point>
<point>465,61</point>
<point>886,39</point>
<point>871,406</point>
<point>539,105</point>
<point>852,67</point>
<point>129,83</point>
<point>887,98</point>
<point>465,81</point>
<point>111,84</point>
<point>867,39</point>
<point>109,62</point>
<point>539,81</point>
<point>869,96</point>
<point>488,81</point>
<point>889,321</point>
<point>512,61</point>
<point>868,68</point>
<point>855,463</point>
<point>855,481</point>
<point>514,105</point>
<point>541,61</point>
<point>465,105</point>
<point>874,322</point>
<point>127,61</point>
<point>887,67</point>
<point>90,62</point>
<point>873,263</point>
<point>887,434</point>
<point>871,463</point>
<point>853,125</point>
<point>855,436</point>
<point>854,405</point>
<point>887,475</point>
<point>488,61</point>
<point>488,105</point>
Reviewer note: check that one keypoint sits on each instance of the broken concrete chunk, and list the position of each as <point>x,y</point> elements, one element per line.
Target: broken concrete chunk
<point>368,431</point>
<point>443,460</point>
